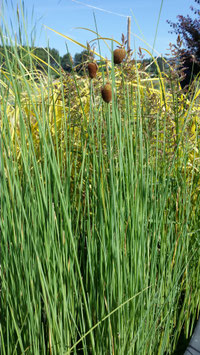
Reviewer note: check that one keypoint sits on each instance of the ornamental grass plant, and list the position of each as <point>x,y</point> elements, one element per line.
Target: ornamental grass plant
<point>99,208</point>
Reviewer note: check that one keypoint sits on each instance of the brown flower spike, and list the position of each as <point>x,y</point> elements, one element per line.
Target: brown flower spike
<point>92,70</point>
<point>119,54</point>
<point>106,92</point>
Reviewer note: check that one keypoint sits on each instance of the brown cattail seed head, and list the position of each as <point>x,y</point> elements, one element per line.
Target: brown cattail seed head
<point>119,55</point>
<point>92,70</point>
<point>106,92</point>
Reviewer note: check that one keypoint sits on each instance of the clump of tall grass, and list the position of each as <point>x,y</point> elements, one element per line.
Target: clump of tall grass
<point>100,249</point>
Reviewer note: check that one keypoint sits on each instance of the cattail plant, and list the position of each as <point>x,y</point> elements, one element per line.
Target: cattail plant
<point>99,222</point>
<point>106,90</point>
<point>92,70</point>
<point>119,54</point>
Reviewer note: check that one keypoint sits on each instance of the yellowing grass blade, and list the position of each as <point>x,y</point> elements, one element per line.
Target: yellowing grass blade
<point>6,86</point>
<point>99,37</point>
<point>74,41</point>
<point>70,39</point>
<point>39,59</point>
<point>197,94</point>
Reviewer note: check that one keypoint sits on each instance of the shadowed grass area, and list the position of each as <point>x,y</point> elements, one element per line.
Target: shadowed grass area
<point>99,210</point>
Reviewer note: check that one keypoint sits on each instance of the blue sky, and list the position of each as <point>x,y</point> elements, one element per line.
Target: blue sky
<point>66,15</point>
